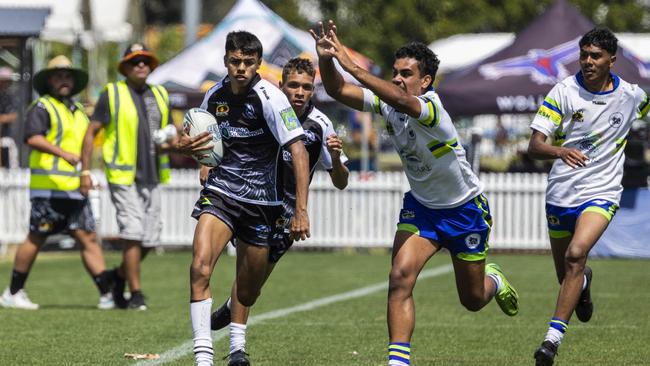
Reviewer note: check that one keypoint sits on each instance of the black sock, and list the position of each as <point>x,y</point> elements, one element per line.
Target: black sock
<point>103,282</point>
<point>17,281</point>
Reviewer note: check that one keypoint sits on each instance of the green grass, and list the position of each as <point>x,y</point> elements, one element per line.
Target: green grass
<point>67,330</point>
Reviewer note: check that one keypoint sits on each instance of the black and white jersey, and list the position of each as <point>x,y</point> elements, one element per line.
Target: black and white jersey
<point>254,126</point>
<point>317,128</point>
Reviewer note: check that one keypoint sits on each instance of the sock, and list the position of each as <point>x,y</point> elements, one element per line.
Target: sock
<point>584,282</point>
<point>200,316</point>
<point>17,281</point>
<point>498,283</point>
<point>399,354</point>
<point>557,328</point>
<point>237,337</point>
<point>103,282</point>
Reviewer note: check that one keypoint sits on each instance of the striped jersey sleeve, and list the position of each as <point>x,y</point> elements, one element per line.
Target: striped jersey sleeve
<point>550,114</point>
<point>429,111</point>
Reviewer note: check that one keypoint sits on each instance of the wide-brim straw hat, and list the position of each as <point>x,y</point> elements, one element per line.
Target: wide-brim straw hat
<point>60,63</point>
<point>134,50</point>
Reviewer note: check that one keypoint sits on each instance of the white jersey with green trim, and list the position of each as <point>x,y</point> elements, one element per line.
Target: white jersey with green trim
<point>597,124</point>
<point>432,155</point>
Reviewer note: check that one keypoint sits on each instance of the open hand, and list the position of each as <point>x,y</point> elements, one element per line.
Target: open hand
<point>573,158</point>
<point>198,145</point>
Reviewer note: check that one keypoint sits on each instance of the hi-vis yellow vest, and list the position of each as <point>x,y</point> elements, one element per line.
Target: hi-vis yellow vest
<point>67,130</point>
<point>121,134</point>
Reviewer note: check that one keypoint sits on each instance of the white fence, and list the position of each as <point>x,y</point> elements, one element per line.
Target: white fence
<point>362,215</point>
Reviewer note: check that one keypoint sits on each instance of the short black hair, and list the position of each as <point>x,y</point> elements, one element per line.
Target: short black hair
<point>298,65</point>
<point>600,37</point>
<point>245,42</point>
<point>427,60</point>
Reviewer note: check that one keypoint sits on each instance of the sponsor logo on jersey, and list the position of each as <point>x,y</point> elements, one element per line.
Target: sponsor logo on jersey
<point>616,119</point>
<point>599,102</point>
<point>578,116</point>
<point>249,111</point>
<point>473,240</point>
<point>228,131</point>
<point>543,66</point>
<point>221,109</point>
<point>289,118</point>
<point>553,220</point>
<point>408,214</point>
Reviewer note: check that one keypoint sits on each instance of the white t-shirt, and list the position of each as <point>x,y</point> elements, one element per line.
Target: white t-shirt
<point>432,155</point>
<point>597,124</point>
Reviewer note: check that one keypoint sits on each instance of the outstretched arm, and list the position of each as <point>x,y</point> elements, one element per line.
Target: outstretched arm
<point>385,90</point>
<point>346,93</point>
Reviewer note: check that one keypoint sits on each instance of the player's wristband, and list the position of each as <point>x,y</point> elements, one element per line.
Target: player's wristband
<point>85,173</point>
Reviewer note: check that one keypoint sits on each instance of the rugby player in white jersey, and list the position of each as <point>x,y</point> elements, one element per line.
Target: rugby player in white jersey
<point>445,207</point>
<point>589,116</point>
<point>242,197</point>
<point>324,148</point>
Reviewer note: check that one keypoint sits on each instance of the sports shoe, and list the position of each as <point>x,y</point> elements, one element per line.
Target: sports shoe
<point>238,358</point>
<point>106,302</point>
<point>545,354</point>
<point>220,318</point>
<point>137,301</point>
<point>19,300</point>
<point>119,284</point>
<point>507,297</point>
<point>585,307</point>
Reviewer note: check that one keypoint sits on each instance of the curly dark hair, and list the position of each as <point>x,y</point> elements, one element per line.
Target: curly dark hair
<point>298,65</point>
<point>600,37</point>
<point>245,42</point>
<point>427,60</point>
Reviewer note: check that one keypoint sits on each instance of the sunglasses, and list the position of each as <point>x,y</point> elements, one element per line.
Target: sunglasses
<point>137,60</point>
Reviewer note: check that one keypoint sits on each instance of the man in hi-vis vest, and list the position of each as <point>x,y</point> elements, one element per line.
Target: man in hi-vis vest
<point>137,132</point>
<point>54,128</point>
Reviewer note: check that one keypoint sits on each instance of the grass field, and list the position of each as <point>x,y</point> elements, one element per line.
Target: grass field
<point>67,330</point>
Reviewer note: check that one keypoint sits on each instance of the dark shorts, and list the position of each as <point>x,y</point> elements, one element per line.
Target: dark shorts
<point>249,222</point>
<point>54,215</point>
<point>281,239</point>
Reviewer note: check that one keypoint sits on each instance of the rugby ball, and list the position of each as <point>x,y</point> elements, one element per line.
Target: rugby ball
<point>197,121</point>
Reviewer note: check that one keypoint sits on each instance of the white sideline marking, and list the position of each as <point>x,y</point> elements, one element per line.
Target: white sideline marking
<point>186,348</point>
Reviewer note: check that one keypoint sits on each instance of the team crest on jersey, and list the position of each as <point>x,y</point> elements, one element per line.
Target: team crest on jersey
<point>289,118</point>
<point>222,109</point>
<point>249,111</point>
<point>578,116</point>
<point>286,155</point>
<point>616,119</point>
<point>543,66</point>
<point>473,240</point>
<point>553,220</point>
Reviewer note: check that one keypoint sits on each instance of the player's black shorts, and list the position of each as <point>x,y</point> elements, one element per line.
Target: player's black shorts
<point>54,215</point>
<point>281,239</point>
<point>249,222</point>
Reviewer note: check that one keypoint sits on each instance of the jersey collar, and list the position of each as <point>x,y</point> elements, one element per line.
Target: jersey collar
<point>581,81</point>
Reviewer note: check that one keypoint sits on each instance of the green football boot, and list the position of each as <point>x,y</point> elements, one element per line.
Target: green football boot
<point>507,297</point>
